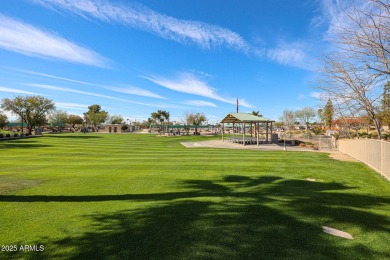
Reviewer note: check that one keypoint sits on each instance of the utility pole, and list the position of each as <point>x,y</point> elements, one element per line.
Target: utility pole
<point>22,134</point>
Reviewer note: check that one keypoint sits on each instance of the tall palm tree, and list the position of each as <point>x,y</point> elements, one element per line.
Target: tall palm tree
<point>256,113</point>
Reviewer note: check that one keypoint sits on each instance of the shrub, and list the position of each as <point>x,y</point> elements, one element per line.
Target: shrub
<point>15,135</point>
<point>318,131</point>
<point>1,135</point>
<point>7,135</point>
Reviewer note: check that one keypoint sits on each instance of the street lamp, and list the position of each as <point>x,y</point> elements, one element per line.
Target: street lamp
<point>128,127</point>
<point>22,124</point>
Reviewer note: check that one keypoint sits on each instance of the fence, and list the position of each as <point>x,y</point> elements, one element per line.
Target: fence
<point>374,153</point>
<point>322,142</point>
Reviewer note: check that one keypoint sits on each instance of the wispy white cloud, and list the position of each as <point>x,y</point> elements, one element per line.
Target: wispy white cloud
<point>292,54</point>
<point>136,91</point>
<point>190,84</point>
<point>16,91</point>
<point>322,96</point>
<point>29,40</point>
<point>205,35</point>
<point>316,95</point>
<point>317,21</point>
<point>319,95</point>
<point>129,90</point>
<point>213,117</point>
<point>334,12</point>
<point>50,87</point>
<point>286,55</point>
<point>57,77</point>
<point>74,106</point>
<point>199,103</point>
<point>243,102</point>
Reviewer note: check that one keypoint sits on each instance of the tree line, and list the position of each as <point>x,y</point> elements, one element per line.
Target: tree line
<point>36,111</point>
<point>321,118</point>
<point>161,118</point>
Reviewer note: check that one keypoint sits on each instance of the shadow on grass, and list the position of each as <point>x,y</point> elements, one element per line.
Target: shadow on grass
<point>22,143</point>
<point>216,220</point>
<point>78,136</point>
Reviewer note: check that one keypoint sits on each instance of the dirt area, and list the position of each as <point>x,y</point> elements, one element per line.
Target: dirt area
<point>229,145</point>
<point>9,184</point>
<point>341,157</point>
<point>267,147</point>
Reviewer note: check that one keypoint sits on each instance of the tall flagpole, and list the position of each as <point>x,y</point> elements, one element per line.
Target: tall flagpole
<point>237,106</point>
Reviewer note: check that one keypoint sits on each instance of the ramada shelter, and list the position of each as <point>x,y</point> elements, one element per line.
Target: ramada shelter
<point>243,120</point>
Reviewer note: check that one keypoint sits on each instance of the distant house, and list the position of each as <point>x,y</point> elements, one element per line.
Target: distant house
<point>112,128</point>
<point>117,128</point>
<point>349,122</point>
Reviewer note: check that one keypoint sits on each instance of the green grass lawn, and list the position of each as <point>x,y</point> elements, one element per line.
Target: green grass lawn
<point>93,196</point>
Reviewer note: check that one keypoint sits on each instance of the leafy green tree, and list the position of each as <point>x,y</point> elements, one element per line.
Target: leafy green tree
<point>75,120</point>
<point>195,119</point>
<point>95,116</point>
<point>160,116</point>
<point>256,113</point>
<point>328,113</point>
<point>116,119</point>
<point>124,127</point>
<point>59,117</point>
<point>32,109</point>
<point>150,122</point>
<point>42,121</point>
<point>305,115</point>
<point>3,120</point>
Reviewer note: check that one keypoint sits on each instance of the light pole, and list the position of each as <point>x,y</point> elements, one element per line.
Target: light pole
<point>22,124</point>
<point>128,125</point>
<point>284,139</point>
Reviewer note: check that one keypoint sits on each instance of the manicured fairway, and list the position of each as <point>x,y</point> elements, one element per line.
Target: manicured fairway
<point>93,196</point>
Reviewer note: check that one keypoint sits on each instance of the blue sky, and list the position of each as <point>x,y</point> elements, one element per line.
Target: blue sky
<point>134,57</point>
